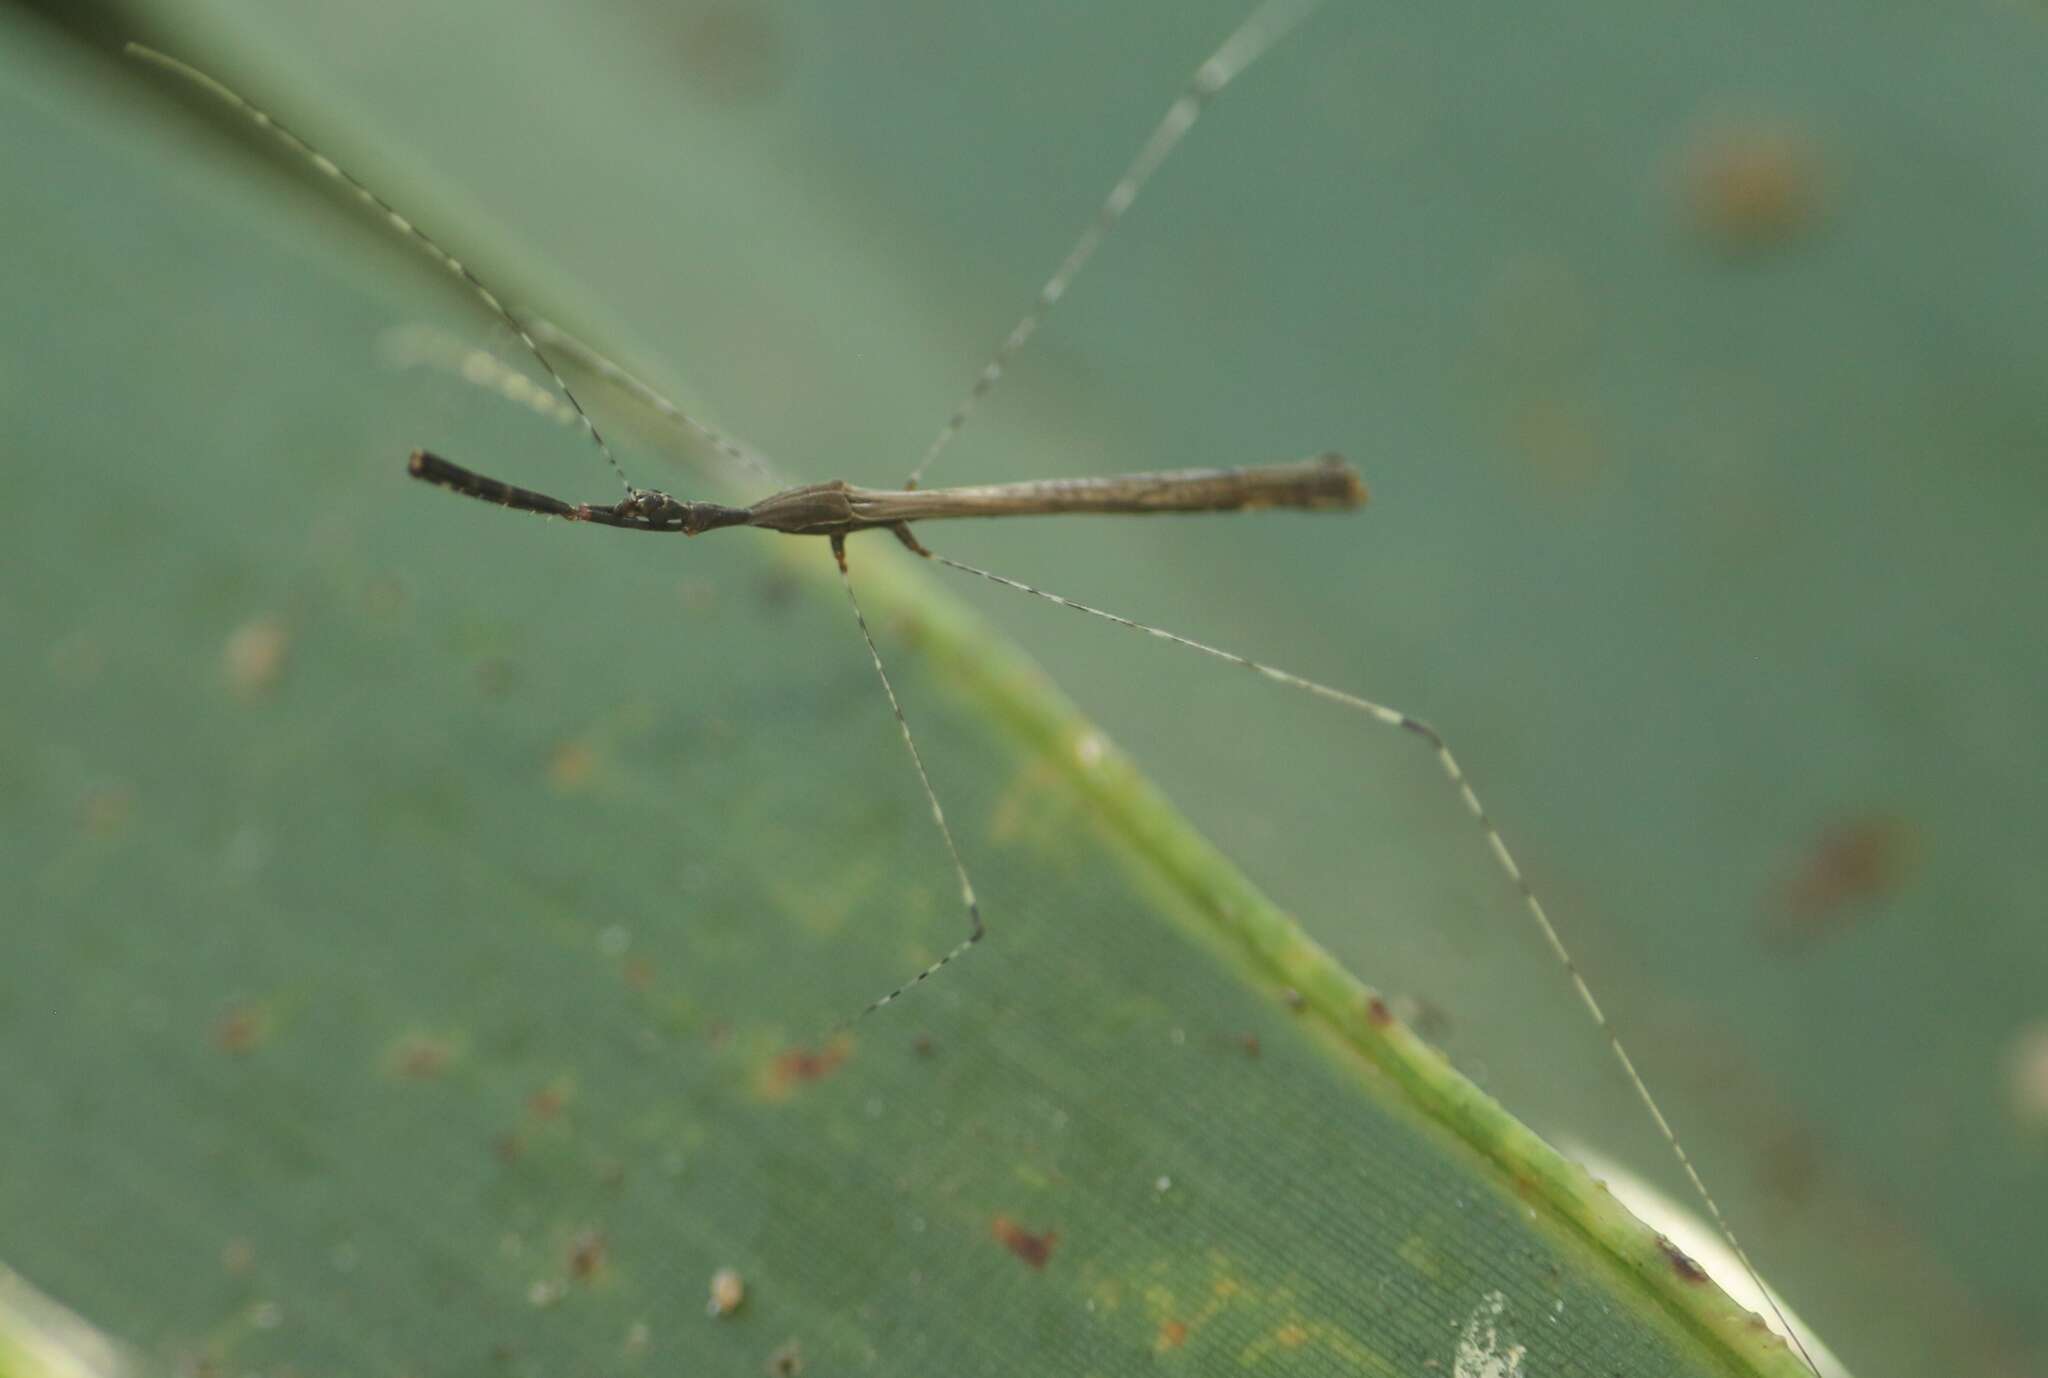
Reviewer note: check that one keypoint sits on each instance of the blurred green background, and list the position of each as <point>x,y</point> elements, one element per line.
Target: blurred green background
<point>1695,360</point>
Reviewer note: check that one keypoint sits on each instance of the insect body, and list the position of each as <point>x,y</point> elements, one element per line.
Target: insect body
<point>838,509</point>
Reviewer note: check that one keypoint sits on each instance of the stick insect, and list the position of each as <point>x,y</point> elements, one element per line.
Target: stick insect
<point>837,510</point>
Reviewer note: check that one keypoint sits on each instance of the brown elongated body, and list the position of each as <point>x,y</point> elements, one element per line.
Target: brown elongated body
<point>835,510</point>
<point>838,509</point>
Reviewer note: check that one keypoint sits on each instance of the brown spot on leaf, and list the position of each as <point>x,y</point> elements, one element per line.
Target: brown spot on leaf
<point>1753,186</point>
<point>1377,1013</point>
<point>1034,1249</point>
<point>419,1057</point>
<point>242,1030</point>
<point>586,1255</point>
<point>1250,1043</point>
<point>802,1064</point>
<point>549,1102</point>
<point>638,974</point>
<point>1847,867</point>
<point>732,52</point>
<point>1172,1335</point>
<point>1681,1262</point>
<point>785,1361</point>
<point>798,1066</point>
<point>571,765</point>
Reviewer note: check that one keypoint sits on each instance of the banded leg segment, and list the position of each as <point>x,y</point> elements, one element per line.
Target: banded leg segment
<point>975,930</point>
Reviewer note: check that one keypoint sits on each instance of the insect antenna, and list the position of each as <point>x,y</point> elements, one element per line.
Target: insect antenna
<point>263,119</point>
<point>416,346</point>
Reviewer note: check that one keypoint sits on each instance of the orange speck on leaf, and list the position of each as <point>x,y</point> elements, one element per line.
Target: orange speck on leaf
<point>1034,1249</point>
<point>586,1255</point>
<point>1172,1335</point>
<point>1753,186</point>
<point>1848,865</point>
<point>570,767</point>
<point>794,1067</point>
<point>242,1029</point>
<point>419,1057</point>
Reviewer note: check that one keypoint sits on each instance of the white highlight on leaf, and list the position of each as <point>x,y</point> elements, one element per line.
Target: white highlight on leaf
<point>1703,1246</point>
<point>41,1337</point>
<point>1480,1351</point>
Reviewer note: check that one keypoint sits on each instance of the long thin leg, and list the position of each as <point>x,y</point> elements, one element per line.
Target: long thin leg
<point>1394,717</point>
<point>974,925</point>
<point>1267,25</point>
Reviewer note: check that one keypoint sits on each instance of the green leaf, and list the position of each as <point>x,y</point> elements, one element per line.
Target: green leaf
<point>439,919</point>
